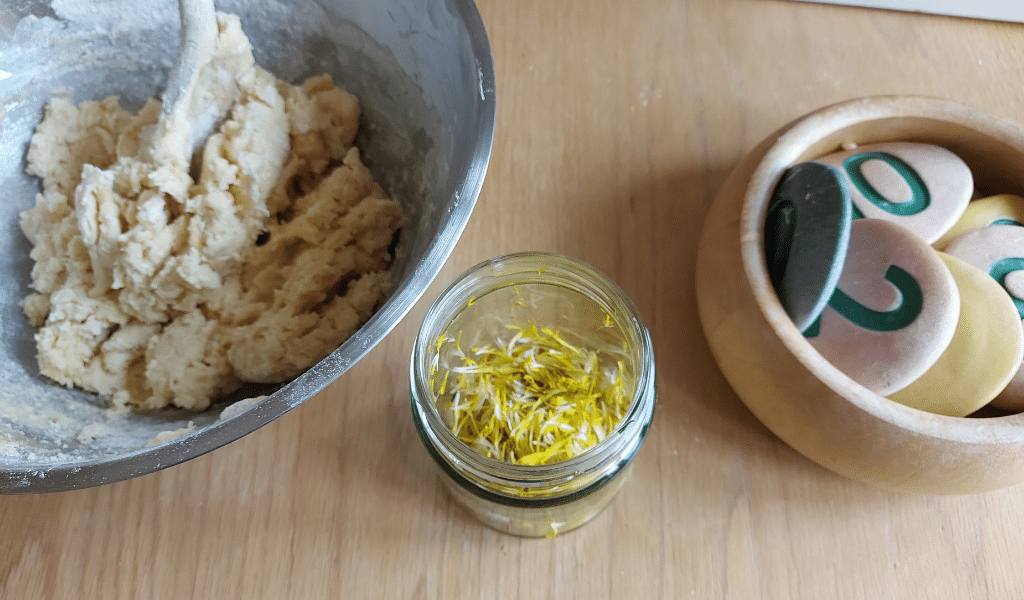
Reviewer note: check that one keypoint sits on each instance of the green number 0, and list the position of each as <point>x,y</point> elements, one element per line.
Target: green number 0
<point>911,301</point>
<point>920,198</point>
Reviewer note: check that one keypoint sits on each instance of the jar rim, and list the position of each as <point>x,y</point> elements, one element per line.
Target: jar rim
<point>549,268</point>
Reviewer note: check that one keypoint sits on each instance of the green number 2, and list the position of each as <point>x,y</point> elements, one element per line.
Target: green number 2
<point>910,303</point>
<point>920,198</point>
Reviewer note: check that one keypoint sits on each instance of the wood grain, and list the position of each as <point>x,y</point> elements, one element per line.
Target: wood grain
<point>617,123</point>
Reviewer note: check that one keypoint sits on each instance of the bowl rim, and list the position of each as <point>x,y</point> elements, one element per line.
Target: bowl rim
<point>790,148</point>
<point>39,477</point>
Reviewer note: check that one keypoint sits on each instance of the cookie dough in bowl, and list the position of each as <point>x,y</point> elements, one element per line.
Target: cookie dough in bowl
<point>156,307</point>
<point>155,290</point>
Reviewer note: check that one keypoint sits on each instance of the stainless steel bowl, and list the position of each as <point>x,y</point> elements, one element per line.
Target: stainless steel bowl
<point>423,72</point>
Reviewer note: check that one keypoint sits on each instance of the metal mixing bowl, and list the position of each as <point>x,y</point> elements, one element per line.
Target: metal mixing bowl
<point>423,72</point>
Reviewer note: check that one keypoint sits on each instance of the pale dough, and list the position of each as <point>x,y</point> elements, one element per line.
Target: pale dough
<point>156,290</point>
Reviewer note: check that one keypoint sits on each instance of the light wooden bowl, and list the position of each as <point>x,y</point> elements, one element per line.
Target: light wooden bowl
<point>796,393</point>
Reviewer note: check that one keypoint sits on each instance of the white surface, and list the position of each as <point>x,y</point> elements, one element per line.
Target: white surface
<point>999,10</point>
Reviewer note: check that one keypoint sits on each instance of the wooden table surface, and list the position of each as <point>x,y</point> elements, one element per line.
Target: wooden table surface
<point>617,122</point>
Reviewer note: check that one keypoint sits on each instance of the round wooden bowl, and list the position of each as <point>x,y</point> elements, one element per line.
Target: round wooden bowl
<point>796,393</point>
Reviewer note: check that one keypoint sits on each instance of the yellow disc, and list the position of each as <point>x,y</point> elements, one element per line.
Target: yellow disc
<point>984,355</point>
<point>1004,209</point>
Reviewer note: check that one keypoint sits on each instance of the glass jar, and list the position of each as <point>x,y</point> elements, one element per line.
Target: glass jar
<point>506,294</point>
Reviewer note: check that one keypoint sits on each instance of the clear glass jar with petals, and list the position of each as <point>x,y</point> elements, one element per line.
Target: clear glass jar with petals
<point>533,387</point>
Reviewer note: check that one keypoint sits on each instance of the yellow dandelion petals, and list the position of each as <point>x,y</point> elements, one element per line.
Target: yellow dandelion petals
<point>536,399</point>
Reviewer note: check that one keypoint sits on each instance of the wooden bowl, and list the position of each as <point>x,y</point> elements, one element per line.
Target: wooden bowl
<point>796,393</point>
